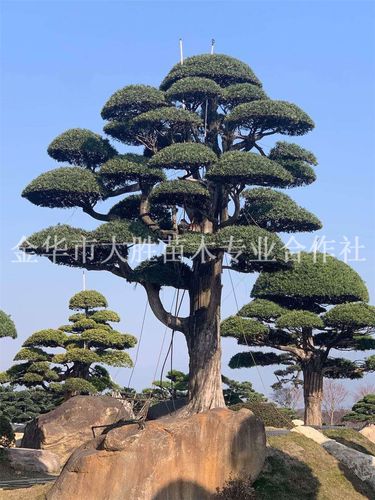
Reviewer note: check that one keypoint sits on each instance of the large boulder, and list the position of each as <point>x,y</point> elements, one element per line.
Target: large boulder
<point>172,459</point>
<point>26,460</point>
<point>369,432</point>
<point>68,426</point>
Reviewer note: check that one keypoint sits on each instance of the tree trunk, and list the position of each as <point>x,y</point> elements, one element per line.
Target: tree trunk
<point>203,338</point>
<point>332,418</point>
<point>313,393</point>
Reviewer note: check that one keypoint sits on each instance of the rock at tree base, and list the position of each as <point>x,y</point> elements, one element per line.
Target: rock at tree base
<point>186,458</point>
<point>26,460</point>
<point>68,426</point>
<point>167,407</point>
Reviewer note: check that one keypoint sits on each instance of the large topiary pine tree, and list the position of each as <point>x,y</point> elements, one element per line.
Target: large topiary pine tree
<point>89,342</point>
<point>198,136</point>
<point>290,314</point>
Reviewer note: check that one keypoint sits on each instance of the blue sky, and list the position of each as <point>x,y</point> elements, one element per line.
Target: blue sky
<point>60,61</point>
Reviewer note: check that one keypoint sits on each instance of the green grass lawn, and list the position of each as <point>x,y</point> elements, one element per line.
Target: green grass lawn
<point>351,438</point>
<point>297,468</point>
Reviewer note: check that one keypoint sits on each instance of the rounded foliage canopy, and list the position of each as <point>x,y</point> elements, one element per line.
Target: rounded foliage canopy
<point>121,232</point>
<point>276,211</point>
<point>240,93</point>
<point>131,101</point>
<point>266,114</point>
<point>45,240</point>
<point>238,327</point>
<point>122,169</point>
<point>181,193</point>
<point>249,168</point>
<point>81,147</point>
<point>46,338</point>
<point>64,187</point>
<point>87,299</point>
<point>299,320</point>
<point>350,316</point>
<point>167,117</point>
<point>223,69</point>
<point>261,309</point>
<point>289,151</point>
<point>186,156</point>
<point>76,384</point>
<point>7,326</point>
<point>104,316</point>
<point>193,89</point>
<point>301,172</point>
<point>317,278</point>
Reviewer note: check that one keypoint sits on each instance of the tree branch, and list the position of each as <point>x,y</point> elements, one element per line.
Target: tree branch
<point>294,350</point>
<point>256,146</point>
<point>169,320</point>
<point>237,208</point>
<point>132,188</point>
<point>96,215</point>
<point>144,212</point>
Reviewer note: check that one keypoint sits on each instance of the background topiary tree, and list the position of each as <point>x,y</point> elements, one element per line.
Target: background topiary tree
<point>198,136</point>
<point>7,437</point>
<point>175,386</point>
<point>363,410</point>
<point>22,406</point>
<point>89,342</point>
<point>240,392</point>
<point>7,326</point>
<point>7,329</point>
<point>290,314</point>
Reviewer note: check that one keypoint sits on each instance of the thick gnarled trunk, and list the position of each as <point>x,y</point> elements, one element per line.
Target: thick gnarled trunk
<point>313,393</point>
<point>201,329</point>
<point>203,338</point>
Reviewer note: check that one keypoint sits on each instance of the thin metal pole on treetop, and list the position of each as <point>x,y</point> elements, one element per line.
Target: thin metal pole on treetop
<point>212,45</point>
<point>83,280</point>
<point>181,52</point>
<point>182,62</point>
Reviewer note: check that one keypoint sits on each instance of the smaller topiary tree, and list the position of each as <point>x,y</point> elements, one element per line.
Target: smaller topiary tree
<point>88,342</point>
<point>7,329</point>
<point>176,386</point>
<point>7,437</point>
<point>290,314</point>
<point>362,411</point>
<point>240,392</point>
<point>22,406</point>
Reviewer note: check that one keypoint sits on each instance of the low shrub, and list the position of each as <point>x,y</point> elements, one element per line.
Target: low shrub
<point>236,489</point>
<point>269,413</point>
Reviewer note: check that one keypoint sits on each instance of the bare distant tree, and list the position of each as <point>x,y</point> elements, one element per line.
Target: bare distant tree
<point>288,396</point>
<point>363,390</point>
<point>334,395</point>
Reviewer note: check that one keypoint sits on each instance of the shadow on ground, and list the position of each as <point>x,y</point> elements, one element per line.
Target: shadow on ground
<point>183,489</point>
<point>286,478</point>
<point>360,486</point>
